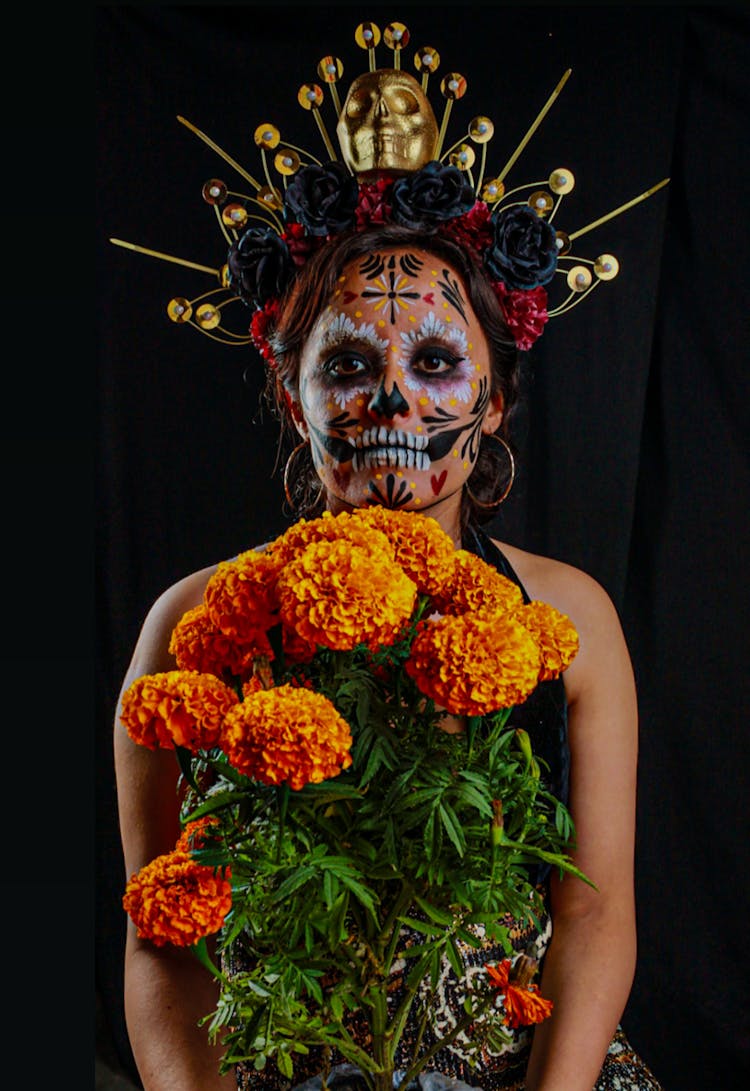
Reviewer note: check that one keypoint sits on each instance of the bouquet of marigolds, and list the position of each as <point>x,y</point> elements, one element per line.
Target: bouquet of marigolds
<point>357,804</point>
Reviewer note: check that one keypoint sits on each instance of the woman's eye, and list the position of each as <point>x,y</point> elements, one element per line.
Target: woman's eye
<point>345,365</point>
<point>435,361</point>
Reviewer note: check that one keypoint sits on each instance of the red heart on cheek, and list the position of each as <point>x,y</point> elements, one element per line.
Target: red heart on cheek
<point>349,296</point>
<point>429,298</point>
<point>438,482</point>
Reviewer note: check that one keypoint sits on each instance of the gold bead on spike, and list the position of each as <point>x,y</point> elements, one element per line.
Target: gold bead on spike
<point>396,37</point>
<point>310,97</point>
<point>492,191</point>
<point>367,36</point>
<point>330,70</point>
<point>267,136</point>
<point>463,157</point>
<point>541,202</point>
<point>561,180</point>
<point>234,215</point>
<point>214,192</point>
<point>453,86</point>
<point>579,279</point>
<point>606,267</point>
<point>563,243</point>
<point>426,61</point>
<point>207,316</point>
<point>179,309</point>
<point>286,162</point>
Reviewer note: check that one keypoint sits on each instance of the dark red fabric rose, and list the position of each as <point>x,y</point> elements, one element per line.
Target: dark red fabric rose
<point>473,230</point>
<point>525,312</point>
<point>261,324</point>
<point>300,244</point>
<point>373,205</point>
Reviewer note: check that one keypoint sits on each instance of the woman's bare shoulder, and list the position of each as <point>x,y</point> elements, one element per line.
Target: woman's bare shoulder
<point>567,588</point>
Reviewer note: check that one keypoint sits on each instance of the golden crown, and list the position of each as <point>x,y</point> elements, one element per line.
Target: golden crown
<point>392,165</point>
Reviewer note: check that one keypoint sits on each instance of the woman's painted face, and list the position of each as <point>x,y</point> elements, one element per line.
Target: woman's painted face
<point>394,388</point>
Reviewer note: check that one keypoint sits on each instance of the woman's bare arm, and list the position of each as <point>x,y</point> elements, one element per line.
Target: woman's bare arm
<point>589,966</point>
<point>167,990</point>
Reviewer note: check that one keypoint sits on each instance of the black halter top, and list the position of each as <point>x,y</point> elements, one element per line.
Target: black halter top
<point>544,714</point>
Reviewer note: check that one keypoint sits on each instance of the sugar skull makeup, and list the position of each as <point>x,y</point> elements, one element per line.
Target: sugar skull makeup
<point>394,386</point>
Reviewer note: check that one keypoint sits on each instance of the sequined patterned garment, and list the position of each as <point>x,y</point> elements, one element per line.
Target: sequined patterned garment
<point>544,716</point>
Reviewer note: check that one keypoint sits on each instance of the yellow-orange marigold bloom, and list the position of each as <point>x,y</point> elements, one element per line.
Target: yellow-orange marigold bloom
<point>194,833</point>
<point>240,596</point>
<point>197,644</point>
<point>327,528</point>
<point>472,584</point>
<point>421,546</point>
<point>175,900</point>
<point>287,735</point>
<point>555,634</point>
<point>340,595</point>
<point>523,1004</point>
<point>474,665</point>
<point>176,708</point>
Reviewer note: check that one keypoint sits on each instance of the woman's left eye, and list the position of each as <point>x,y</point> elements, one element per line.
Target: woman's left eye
<point>435,361</point>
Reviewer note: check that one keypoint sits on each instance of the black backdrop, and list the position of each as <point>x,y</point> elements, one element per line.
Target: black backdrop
<point>633,441</point>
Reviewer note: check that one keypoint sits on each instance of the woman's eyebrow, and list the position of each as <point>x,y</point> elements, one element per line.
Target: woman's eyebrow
<point>342,330</point>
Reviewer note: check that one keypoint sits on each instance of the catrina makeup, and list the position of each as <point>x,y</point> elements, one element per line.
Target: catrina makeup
<point>394,386</point>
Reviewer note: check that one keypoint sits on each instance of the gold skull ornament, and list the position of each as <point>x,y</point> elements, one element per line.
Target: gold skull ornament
<point>387,123</point>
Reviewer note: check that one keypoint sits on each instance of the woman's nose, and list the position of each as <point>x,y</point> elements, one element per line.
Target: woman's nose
<point>388,403</point>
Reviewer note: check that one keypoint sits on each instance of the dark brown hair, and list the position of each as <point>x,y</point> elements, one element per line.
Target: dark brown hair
<point>311,291</point>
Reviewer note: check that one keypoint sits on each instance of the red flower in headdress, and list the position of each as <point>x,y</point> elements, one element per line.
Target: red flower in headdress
<point>261,323</point>
<point>473,230</point>
<point>525,312</point>
<point>373,206</point>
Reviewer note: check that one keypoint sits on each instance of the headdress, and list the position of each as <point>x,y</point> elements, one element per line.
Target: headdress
<point>393,166</point>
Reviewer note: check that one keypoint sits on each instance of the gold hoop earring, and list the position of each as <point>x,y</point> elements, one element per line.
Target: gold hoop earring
<point>508,487</point>
<point>300,447</point>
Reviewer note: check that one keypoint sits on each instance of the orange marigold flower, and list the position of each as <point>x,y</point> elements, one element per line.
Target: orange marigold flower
<point>197,644</point>
<point>474,665</point>
<point>175,900</point>
<point>340,595</point>
<point>240,596</point>
<point>421,546</point>
<point>287,735</point>
<point>194,834</point>
<point>327,528</point>
<point>472,584</point>
<point>176,708</point>
<point>523,1004</point>
<point>296,648</point>
<point>555,634</point>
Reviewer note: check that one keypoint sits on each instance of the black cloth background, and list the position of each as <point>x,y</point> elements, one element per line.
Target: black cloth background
<point>633,442</point>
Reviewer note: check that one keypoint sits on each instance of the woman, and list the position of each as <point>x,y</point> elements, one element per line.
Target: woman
<point>389,311</point>
<point>341,379</point>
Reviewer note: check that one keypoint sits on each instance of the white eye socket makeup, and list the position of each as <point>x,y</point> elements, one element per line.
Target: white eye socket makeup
<point>352,363</point>
<point>437,359</point>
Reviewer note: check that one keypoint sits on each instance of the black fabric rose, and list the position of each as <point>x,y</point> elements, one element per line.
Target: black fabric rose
<point>260,266</point>
<point>523,254</point>
<point>431,195</point>
<point>322,198</point>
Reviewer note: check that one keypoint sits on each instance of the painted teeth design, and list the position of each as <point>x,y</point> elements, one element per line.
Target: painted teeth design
<point>404,457</point>
<point>390,437</point>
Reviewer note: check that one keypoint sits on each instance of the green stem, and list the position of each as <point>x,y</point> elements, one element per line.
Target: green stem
<point>282,799</point>
<point>417,1066</point>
